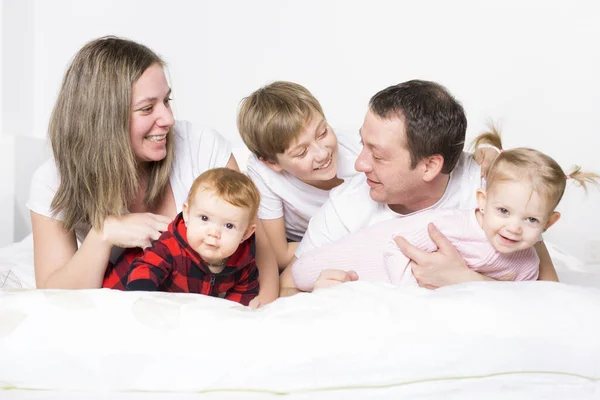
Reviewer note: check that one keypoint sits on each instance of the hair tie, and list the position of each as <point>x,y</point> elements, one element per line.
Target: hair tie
<point>489,146</point>
<point>567,177</point>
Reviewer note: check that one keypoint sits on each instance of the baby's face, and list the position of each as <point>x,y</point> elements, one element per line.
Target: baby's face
<point>514,216</point>
<point>215,228</point>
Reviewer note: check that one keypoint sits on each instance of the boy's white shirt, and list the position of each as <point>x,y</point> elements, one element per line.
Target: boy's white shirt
<point>350,207</point>
<point>284,195</point>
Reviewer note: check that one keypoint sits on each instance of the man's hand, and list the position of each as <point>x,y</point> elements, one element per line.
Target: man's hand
<point>333,277</point>
<point>441,268</point>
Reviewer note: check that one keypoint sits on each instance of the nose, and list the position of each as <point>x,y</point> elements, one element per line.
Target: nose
<point>165,118</point>
<point>321,154</point>
<point>361,164</point>
<point>515,227</point>
<point>215,232</point>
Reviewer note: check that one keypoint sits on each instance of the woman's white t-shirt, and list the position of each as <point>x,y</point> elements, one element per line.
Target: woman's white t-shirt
<point>284,195</point>
<point>197,149</point>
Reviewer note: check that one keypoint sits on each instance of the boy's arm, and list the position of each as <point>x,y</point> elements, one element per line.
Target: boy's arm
<point>150,270</point>
<point>268,273</point>
<point>246,287</point>
<point>286,282</point>
<point>275,231</point>
<point>547,271</point>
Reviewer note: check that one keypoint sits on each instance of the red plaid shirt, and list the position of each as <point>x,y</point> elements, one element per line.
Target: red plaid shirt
<point>171,265</point>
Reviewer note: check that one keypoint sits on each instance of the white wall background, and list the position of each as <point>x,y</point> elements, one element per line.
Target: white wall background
<point>534,66</point>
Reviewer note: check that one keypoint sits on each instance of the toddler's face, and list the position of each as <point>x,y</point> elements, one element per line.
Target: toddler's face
<point>514,216</point>
<point>312,158</point>
<point>215,228</point>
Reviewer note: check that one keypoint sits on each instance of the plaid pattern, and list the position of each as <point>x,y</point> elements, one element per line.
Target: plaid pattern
<point>171,265</point>
<point>116,274</point>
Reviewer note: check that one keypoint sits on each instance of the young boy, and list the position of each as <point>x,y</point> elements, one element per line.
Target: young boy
<point>209,248</point>
<point>296,160</point>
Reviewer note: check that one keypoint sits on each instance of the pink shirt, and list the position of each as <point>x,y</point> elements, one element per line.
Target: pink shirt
<point>373,254</point>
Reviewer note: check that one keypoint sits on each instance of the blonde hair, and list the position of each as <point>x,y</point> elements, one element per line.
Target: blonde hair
<point>89,134</point>
<point>231,186</point>
<point>275,115</point>
<point>546,176</point>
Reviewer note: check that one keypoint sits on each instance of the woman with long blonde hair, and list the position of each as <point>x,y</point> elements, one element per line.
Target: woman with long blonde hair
<point>121,167</point>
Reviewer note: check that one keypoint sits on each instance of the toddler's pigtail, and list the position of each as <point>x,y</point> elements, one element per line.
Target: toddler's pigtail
<point>583,178</point>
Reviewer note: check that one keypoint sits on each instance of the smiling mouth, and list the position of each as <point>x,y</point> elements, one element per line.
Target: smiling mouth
<point>156,138</point>
<point>326,165</point>
<point>372,182</point>
<point>511,241</point>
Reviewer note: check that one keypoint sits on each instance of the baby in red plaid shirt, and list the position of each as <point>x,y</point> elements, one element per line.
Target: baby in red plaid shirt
<point>209,248</point>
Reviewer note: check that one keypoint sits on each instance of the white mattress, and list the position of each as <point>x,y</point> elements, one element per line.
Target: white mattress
<point>478,340</point>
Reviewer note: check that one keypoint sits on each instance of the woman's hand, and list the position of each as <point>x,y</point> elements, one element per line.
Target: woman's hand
<point>441,268</point>
<point>134,230</point>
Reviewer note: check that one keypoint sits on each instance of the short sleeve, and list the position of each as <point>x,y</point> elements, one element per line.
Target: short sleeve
<point>197,149</point>
<point>271,205</point>
<point>207,148</point>
<point>42,189</point>
<point>324,227</point>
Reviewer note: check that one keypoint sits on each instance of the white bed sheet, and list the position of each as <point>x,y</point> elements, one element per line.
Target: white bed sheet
<point>360,340</point>
<point>356,337</point>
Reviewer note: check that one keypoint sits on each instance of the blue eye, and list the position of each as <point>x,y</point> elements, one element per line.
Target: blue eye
<point>229,226</point>
<point>533,220</point>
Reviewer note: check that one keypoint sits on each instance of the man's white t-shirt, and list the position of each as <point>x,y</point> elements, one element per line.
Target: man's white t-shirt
<point>197,149</point>
<point>351,208</point>
<point>284,195</point>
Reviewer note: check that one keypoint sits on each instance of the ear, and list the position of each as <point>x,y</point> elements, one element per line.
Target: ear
<point>274,166</point>
<point>249,231</point>
<point>186,213</point>
<point>555,216</point>
<point>432,166</point>
<point>481,199</point>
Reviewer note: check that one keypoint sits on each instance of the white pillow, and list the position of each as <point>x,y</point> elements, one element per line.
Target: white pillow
<point>16,265</point>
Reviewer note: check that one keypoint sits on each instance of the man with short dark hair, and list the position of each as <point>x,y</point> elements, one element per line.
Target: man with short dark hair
<point>413,137</point>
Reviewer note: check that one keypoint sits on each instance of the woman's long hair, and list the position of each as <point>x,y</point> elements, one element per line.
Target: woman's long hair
<point>89,133</point>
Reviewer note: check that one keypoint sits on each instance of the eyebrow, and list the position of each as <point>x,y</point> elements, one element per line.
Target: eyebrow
<point>150,99</point>
<point>369,145</point>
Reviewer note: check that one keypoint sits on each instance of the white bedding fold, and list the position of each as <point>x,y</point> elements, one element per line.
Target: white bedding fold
<point>355,335</point>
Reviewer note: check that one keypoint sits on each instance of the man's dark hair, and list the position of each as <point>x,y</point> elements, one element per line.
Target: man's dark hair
<point>435,122</point>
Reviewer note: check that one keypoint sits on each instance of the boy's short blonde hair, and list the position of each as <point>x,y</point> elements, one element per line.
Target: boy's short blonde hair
<point>273,116</point>
<point>231,186</point>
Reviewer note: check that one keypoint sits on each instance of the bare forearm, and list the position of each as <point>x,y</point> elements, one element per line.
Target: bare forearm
<point>268,273</point>
<point>85,269</point>
<point>547,271</point>
<point>286,283</point>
